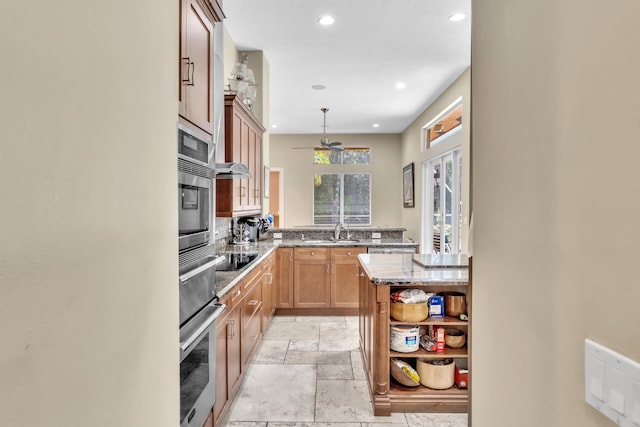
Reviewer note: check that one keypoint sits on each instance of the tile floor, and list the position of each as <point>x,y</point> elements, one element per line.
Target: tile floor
<point>308,372</point>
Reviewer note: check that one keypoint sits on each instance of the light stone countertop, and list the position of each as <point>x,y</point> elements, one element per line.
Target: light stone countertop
<point>399,268</point>
<point>226,280</point>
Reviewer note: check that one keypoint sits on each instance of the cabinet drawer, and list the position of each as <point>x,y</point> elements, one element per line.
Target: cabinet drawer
<point>233,297</point>
<point>253,302</point>
<point>311,253</point>
<point>251,277</point>
<point>350,253</point>
<point>251,336</point>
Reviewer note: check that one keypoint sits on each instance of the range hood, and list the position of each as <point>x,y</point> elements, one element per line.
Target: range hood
<point>232,171</point>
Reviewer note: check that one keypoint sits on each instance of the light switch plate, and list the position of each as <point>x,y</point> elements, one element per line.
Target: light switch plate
<point>277,235</point>
<point>612,384</point>
<point>635,402</point>
<point>376,235</point>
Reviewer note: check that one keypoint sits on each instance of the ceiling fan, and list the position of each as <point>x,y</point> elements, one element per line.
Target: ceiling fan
<point>324,141</point>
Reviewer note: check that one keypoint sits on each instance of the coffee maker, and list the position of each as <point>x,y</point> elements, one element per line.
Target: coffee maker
<point>245,230</point>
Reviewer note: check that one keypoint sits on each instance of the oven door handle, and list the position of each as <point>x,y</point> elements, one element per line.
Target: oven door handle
<point>218,309</point>
<point>204,267</point>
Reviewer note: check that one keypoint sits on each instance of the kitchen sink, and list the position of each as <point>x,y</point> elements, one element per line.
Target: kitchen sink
<point>329,241</point>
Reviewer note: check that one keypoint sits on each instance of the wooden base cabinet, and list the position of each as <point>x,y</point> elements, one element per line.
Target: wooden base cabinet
<point>375,322</point>
<point>318,280</point>
<point>238,333</point>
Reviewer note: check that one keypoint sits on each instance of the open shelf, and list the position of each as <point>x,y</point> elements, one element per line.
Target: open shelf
<point>425,391</point>
<point>446,320</point>
<point>459,353</point>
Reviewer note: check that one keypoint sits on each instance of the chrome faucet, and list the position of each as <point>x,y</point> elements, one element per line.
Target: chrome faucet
<point>336,231</point>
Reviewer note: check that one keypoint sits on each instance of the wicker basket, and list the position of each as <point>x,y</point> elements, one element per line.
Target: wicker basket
<point>439,377</point>
<point>409,312</point>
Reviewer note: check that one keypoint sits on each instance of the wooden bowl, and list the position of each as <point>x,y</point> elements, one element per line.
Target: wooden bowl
<point>401,376</point>
<point>454,338</point>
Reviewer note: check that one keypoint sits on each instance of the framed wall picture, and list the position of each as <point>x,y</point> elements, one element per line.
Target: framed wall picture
<point>265,182</point>
<point>407,186</point>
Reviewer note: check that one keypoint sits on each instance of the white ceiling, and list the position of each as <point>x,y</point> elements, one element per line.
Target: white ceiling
<point>372,45</point>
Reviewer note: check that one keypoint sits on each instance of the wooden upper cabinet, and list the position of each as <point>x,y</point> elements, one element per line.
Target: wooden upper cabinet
<point>195,88</point>
<point>242,144</point>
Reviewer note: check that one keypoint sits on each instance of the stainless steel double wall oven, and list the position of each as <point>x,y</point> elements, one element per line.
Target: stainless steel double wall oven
<point>199,305</point>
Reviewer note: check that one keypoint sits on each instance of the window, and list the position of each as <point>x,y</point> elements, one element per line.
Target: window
<point>344,197</point>
<point>349,156</point>
<point>447,121</point>
<point>444,211</point>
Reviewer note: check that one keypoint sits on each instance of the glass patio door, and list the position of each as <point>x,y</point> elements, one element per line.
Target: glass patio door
<point>443,228</point>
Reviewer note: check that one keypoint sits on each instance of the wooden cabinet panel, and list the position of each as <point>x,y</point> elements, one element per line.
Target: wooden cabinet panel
<point>284,278</point>
<point>268,292</point>
<point>253,302</point>
<point>311,283</point>
<point>196,49</point>
<point>312,253</point>
<point>234,362</point>
<point>344,285</point>
<point>345,272</point>
<point>243,144</point>
<point>228,363</point>
<point>221,369</point>
<point>251,335</point>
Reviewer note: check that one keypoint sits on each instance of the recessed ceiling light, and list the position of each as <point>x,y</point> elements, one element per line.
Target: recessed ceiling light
<point>457,17</point>
<point>376,125</point>
<point>318,87</point>
<point>274,126</point>
<point>400,85</point>
<point>326,20</point>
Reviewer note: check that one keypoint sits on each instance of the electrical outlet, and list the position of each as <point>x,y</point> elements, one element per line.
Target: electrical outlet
<point>376,235</point>
<point>277,235</point>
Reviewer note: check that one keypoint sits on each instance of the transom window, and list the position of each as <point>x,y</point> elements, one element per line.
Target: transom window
<point>342,197</point>
<point>348,156</point>
<point>447,121</point>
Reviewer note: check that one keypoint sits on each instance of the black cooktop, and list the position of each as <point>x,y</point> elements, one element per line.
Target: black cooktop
<point>236,262</point>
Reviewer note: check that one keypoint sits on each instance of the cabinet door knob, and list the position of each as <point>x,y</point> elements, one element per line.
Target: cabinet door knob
<point>312,253</point>
<point>349,253</point>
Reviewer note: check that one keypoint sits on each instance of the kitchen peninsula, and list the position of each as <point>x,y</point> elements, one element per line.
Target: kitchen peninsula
<point>383,274</point>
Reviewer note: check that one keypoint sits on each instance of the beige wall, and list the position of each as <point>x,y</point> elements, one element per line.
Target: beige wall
<point>413,151</point>
<point>88,296</point>
<point>386,177</point>
<point>556,127</point>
